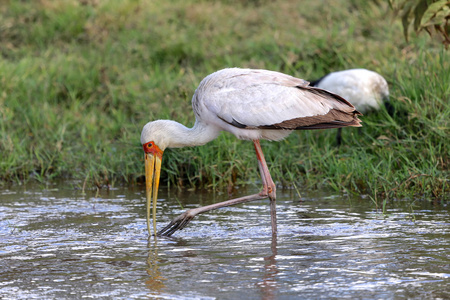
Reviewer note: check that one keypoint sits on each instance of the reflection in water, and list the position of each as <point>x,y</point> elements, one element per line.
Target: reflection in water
<point>269,284</point>
<point>57,243</point>
<point>155,282</point>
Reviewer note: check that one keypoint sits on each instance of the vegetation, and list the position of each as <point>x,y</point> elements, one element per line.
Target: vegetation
<point>81,77</point>
<point>429,15</point>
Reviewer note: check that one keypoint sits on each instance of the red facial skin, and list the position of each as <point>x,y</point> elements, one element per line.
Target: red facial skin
<point>151,148</point>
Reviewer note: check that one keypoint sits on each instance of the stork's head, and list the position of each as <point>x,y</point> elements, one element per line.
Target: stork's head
<point>159,132</point>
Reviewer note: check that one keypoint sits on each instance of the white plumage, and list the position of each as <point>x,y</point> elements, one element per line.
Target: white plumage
<point>252,105</point>
<point>256,98</point>
<point>365,89</point>
<point>248,103</point>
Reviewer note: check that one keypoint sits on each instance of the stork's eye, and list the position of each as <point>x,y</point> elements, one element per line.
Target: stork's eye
<point>149,145</point>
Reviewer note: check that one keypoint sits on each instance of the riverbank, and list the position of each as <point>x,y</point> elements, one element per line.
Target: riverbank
<point>81,78</point>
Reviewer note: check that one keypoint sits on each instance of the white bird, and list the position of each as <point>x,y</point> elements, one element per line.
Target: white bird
<point>252,105</point>
<point>365,89</point>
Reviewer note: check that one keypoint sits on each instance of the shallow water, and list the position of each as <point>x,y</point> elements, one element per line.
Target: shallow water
<point>58,243</point>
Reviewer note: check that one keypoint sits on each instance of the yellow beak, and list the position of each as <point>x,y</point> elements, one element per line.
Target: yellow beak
<point>152,174</point>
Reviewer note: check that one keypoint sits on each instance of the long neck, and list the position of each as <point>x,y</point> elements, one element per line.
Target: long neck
<point>181,136</point>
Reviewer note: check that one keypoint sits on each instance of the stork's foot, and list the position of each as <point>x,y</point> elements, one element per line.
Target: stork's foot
<point>177,224</point>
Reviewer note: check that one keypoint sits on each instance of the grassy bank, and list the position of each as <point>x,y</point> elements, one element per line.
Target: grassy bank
<point>79,79</point>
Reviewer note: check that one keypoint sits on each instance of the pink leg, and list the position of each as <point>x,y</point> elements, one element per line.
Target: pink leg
<point>268,190</point>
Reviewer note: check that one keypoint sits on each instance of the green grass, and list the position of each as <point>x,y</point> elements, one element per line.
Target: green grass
<point>81,78</point>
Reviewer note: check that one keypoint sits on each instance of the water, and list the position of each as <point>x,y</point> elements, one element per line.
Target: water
<point>58,243</point>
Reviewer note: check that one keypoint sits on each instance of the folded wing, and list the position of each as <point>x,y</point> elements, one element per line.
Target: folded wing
<point>270,100</point>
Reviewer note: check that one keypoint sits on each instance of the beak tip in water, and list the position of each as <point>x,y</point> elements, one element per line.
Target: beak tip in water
<point>152,175</point>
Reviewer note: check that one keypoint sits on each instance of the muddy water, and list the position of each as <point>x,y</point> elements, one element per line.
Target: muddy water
<point>56,242</point>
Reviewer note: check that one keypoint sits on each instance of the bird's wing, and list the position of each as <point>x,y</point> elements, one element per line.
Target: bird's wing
<point>267,99</point>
